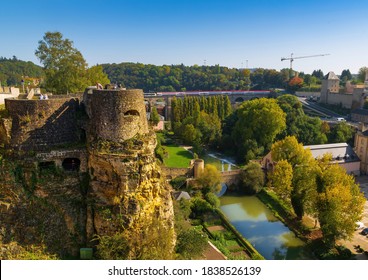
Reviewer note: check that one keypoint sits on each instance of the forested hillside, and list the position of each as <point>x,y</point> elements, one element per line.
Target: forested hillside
<point>13,70</point>
<point>186,78</point>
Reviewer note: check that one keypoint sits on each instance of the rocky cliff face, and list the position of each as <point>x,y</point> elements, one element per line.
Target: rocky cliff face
<point>43,210</point>
<point>127,192</point>
<point>61,212</point>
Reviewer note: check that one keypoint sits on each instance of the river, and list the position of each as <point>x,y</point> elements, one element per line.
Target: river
<point>262,229</point>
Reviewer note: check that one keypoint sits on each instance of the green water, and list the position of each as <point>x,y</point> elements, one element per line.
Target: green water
<point>256,223</point>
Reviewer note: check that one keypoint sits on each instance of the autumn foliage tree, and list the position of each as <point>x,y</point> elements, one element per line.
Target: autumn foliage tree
<point>295,83</point>
<point>317,187</point>
<point>339,203</point>
<point>281,180</point>
<point>303,190</point>
<point>209,180</point>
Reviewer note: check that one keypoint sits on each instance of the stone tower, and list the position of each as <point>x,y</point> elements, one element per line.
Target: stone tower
<point>198,167</point>
<point>117,115</point>
<point>128,192</point>
<point>330,84</point>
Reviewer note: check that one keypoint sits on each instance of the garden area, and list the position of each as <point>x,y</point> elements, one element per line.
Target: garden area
<point>170,153</point>
<point>177,156</point>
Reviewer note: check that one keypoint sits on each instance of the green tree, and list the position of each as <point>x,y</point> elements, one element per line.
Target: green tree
<point>190,134</point>
<point>210,179</point>
<point>95,75</point>
<point>64,65</point>
<point>191,244</point>
<point>258,123</point>
<point>308,130</point>
<point>154,116</point>
<point>290,104</point>
<point>292,107</point>
<point>318,74</point>
<point>340,203</point>
<point>345,76</point>
<point>213,199</point>
<point>200,206</point>
<point>362,74</point>
<point>341,133</point>
<point>210,128</point>
<point>252,178</point>
<point>227,106</point>
<point>182,211</point>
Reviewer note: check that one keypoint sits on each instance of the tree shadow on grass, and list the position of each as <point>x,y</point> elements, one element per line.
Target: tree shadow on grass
<point>185,154</point>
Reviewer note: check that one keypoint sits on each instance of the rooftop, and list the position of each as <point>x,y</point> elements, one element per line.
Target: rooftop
<point>341,152</point>
<point>331,76</point>
<point>180,194</point>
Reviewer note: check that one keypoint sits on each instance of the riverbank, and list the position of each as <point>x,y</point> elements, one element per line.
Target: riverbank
<point>262,229</point>
<point>227,239</point>
<point>285,215</point>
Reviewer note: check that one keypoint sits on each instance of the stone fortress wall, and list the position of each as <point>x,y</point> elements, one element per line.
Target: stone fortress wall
<point>42,124</point>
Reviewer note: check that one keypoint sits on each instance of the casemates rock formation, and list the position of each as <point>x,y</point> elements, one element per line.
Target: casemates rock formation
<point>82,170</point>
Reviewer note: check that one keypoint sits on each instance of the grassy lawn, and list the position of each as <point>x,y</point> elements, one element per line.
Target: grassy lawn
<point>177,156</point>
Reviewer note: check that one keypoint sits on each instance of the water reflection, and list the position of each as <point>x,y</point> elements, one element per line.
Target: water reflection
<point>257,224</point>
<point>246,208</point>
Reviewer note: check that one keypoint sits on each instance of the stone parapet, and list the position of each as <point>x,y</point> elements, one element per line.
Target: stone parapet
<point>42,124</point>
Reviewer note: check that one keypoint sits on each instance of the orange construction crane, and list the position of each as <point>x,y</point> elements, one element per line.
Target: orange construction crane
<point>291,58</point>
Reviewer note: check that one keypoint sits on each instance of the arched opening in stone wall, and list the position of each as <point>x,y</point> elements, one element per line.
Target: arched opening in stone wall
<point>131,113</point>
<point>239,99</point>
<point>71,164</point>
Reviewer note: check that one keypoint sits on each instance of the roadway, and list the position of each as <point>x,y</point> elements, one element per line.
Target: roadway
<point>318,110</point>
<point>314,109</point>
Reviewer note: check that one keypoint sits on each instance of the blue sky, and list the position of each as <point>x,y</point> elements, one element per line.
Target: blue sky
<point>231,33</point>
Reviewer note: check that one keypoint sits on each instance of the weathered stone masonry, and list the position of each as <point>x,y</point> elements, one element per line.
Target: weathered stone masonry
<point>42,124</point>
<point>118,156</point>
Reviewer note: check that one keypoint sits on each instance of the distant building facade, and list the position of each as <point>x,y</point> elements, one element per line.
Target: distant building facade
<point>361,147</point>
<point>352,97</point>
<point>359,115</point>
